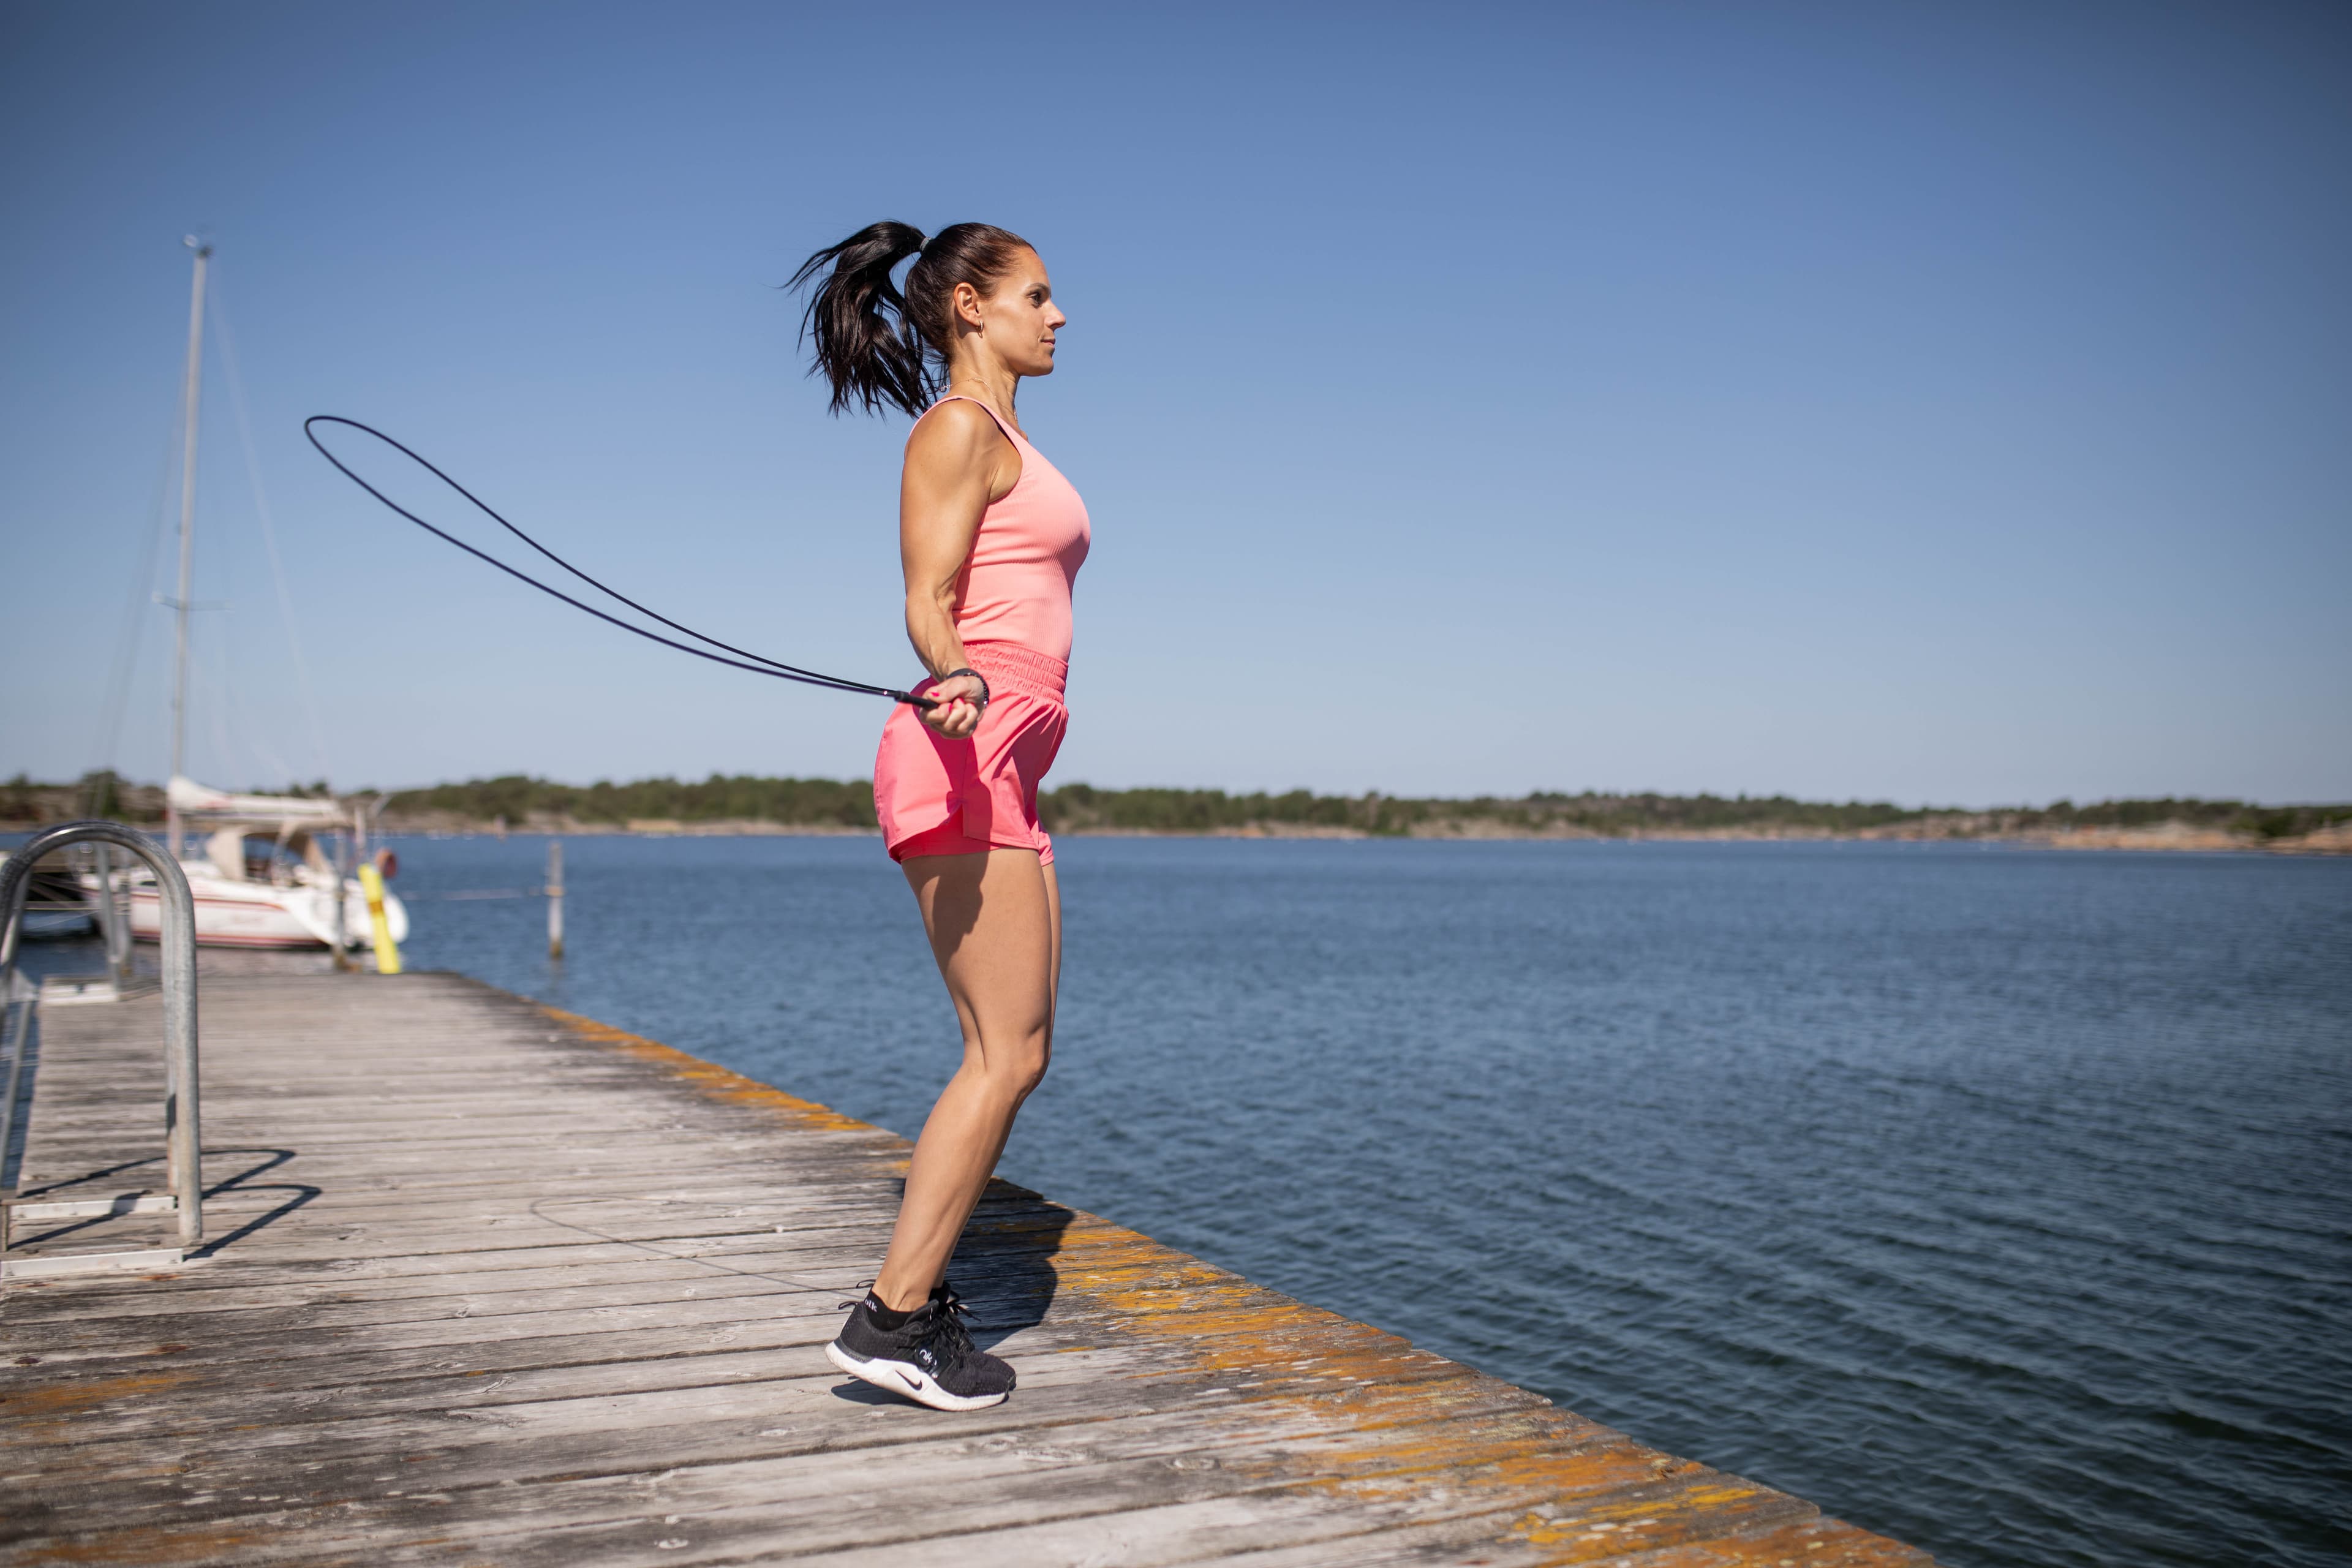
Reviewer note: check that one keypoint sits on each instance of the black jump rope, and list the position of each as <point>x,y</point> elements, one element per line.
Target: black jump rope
<point>760,663</point>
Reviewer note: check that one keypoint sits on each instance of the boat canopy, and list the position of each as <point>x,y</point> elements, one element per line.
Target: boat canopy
<point>293,822</point>
<point>220,808</point>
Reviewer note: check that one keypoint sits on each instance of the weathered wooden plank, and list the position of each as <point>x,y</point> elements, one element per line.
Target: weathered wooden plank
<point>468,1332</point>
<point>834,1499</point>
<point>995,1274</point>
<point>808,1429</point>
<point>144,1408</point>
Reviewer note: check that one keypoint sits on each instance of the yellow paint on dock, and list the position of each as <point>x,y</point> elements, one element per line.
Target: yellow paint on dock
<point>501,1285</point>
<point>719,1082</point>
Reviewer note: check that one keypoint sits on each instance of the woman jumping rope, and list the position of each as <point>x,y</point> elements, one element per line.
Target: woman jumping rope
<point>991,536</point>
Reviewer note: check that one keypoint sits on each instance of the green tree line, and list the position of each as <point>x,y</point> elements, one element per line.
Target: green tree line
<point>718,799</point>
<point>1080,807</point>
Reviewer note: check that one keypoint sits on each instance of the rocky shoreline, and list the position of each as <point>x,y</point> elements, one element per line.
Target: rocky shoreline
<point>751,807</point>
<point>2176,836</point>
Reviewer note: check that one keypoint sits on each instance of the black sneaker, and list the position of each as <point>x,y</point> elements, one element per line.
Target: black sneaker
<point>929,1358</point>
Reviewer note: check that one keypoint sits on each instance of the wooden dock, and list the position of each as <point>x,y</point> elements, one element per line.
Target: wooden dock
<point>490,1284</point>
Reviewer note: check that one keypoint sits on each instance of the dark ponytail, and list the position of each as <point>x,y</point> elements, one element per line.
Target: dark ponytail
<point>876,346</point>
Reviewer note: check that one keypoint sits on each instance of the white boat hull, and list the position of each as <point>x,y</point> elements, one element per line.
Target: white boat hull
<point>260,914</point>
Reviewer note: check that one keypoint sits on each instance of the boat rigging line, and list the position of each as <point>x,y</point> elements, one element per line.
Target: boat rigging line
<point>759,664</point>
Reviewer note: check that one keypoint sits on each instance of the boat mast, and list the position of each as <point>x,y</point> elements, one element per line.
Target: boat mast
<point>187,541</point>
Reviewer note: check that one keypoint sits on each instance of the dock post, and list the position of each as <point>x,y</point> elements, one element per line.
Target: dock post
<point>387,956</point>
<point>343,963</point>
<point>555,899</point>
<point>112,923</point>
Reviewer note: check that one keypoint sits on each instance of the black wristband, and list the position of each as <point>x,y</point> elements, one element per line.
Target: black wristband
<point>976,675</point>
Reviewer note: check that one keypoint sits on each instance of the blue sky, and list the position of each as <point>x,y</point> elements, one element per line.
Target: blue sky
<point>1944,404</point>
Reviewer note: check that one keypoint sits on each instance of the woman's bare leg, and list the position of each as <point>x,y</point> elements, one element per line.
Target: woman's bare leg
<point>995,926</point>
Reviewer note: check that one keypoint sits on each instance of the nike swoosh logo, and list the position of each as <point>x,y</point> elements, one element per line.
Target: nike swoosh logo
<point>914,1382</point>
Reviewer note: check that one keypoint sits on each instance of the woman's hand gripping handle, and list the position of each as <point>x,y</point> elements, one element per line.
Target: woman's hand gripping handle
<point>958,698</point>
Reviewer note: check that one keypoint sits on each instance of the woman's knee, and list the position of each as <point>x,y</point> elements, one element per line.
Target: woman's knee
<point>1037,1068</point>
<point>1017,1066</point>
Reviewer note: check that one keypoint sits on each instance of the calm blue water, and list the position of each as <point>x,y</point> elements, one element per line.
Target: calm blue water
<point>1999,1200</point>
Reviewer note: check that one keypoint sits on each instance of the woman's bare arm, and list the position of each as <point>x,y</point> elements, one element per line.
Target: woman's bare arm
<point>958,462</point>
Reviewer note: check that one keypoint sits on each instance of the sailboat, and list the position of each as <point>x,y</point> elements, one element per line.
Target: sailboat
<point>271,873</point>
<point>267,878</point>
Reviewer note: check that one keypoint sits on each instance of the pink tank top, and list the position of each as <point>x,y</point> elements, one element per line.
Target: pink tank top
<point>1016,586</point>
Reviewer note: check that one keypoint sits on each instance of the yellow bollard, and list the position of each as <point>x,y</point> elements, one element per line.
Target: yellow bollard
<point>387,955</point>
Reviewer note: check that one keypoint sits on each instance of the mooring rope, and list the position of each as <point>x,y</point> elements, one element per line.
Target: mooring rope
<point>760,664</point>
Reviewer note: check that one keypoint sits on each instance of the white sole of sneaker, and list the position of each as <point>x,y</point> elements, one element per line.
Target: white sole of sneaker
<point>907,1381</point>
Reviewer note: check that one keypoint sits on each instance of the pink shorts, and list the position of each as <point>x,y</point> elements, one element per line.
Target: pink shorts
<point>938,796</point>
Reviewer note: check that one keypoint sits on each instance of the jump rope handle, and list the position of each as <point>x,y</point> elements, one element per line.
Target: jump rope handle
<point>925,704</point>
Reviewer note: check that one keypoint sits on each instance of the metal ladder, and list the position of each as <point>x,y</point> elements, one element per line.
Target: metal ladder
<point>183,1160</point>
